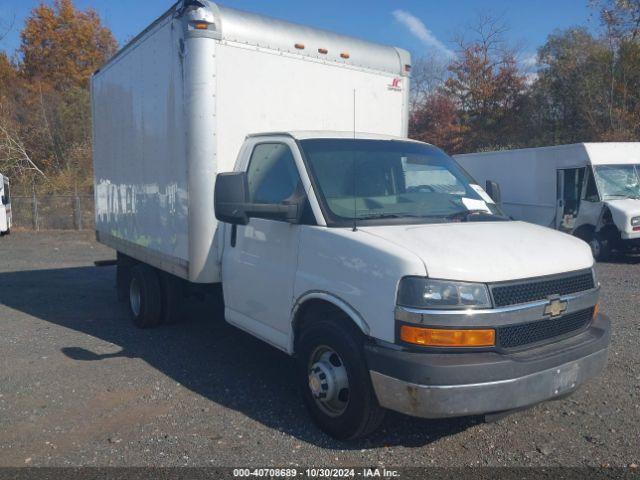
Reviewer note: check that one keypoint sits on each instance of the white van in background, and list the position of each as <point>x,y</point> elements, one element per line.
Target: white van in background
<point>591,190</point>
<point>5,206</point>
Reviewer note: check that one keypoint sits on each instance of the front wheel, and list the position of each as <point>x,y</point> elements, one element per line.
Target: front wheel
<point>600,247</point>
<point>335,382</point>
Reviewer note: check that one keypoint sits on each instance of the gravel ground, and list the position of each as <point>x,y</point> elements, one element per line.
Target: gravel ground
<point>80,386</point>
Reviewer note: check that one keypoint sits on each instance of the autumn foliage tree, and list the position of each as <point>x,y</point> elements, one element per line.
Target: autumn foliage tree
<point>436,121</point>
<point>479,105</point>
<point>586,88</point>
<point>45,121</point>
<point>62,46</point>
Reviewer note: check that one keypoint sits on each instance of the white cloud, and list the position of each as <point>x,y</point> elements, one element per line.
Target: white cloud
<point>530,60</point>
<point>419,30</point>
<point>530,78</point>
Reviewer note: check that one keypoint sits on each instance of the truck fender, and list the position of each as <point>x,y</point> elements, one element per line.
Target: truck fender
<point>327,297</point>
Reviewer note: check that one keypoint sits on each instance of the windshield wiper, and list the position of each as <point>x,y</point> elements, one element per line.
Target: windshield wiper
<point>376,216</point>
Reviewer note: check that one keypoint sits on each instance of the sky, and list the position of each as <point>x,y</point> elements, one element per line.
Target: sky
<point>417,25</point>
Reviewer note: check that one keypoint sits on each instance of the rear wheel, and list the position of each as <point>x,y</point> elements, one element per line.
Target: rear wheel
<point>145,296</point>
<point>172,298</point>
<point>334,380</point>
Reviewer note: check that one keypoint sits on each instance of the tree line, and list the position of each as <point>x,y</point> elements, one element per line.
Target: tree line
<point>584,86</point>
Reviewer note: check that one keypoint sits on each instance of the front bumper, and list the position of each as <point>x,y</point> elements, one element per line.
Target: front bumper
<point>439,385</point>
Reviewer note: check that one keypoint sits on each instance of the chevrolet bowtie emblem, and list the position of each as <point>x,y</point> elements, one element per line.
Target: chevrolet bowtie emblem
<point>555,308</point>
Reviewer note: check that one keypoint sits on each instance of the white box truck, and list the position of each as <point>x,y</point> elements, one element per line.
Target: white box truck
<point>591,190</point>
<point>5,206</point>
<point>392,277</point>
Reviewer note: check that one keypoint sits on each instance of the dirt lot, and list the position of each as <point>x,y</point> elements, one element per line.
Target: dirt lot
<point>79,385</point>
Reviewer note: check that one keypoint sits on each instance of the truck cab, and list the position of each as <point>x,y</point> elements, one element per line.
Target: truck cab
<point>390,275</point>
<point>604,208</point>
<point>589,190</point>
<point>398,283</point>
<point>5,206</point>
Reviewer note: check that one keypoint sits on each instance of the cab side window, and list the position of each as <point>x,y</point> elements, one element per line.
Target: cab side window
<point>272,175</point>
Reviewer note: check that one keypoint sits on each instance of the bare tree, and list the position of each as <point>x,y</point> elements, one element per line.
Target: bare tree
<point>14,157</point>
<point>428,74</point>
<point>6,26</point>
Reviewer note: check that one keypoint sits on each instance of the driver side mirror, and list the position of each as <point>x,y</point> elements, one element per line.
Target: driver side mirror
<point>493,190</point>
<point>232,204</point>
<point>230,198</point>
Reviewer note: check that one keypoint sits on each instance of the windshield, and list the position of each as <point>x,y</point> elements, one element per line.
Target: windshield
<point>382,179</point>
<point>618,181</point>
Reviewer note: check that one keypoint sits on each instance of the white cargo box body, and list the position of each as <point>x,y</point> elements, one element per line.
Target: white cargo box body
<point>173,108</point>
<point>527,177</point>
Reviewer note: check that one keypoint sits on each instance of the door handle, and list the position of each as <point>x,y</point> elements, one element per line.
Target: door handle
<point>234,235</point>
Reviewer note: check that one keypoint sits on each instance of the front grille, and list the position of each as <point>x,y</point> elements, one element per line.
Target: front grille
<point>527,333</point>
<point>533,290</point>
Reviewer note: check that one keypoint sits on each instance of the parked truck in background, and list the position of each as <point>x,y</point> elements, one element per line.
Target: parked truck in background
<point>590,190</point>
<point>228,151</point>
<point>5,206</point>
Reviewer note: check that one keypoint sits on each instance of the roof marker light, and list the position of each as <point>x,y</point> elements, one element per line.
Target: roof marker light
<point>323,51</point>
<point>345,55</point>
<point>200,25</point>
<point>299,46</point>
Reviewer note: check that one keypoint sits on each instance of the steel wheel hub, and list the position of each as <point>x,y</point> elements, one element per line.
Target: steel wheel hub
<point>328,381</point>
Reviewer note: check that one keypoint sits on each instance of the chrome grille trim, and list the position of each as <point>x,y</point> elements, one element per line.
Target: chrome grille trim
<point>530,290</point>
<point>493,317</point>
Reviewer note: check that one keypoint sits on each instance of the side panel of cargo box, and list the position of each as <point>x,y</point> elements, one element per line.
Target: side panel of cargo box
<point>140,149</point>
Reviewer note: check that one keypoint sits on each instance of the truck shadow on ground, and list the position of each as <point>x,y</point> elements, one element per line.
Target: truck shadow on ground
<point>202,353</point>
<point>621,258</point>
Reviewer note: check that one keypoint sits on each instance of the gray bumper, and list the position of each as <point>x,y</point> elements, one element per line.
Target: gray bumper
<point>502,382</point>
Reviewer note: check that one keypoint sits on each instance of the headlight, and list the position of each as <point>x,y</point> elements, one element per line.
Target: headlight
<point>417,292</point>
<point>635,222</point>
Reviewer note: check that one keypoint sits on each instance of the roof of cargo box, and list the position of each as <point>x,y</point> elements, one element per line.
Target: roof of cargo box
<point>328,134</point>
<point>265,32</point>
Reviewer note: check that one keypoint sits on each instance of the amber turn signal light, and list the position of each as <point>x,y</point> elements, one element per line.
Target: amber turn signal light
<point>596,310</point>
<point>435,337</point>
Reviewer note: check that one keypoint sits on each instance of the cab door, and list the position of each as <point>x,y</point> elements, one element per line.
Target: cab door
<point>569,192</point>
<point>260,258</point>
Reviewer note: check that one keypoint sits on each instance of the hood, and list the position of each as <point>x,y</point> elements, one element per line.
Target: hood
<point>488,251</point>
<point>622,211</point>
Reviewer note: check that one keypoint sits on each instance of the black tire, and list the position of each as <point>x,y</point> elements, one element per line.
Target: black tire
<point>362,413</point>
<point>145,296</point>
<point>123,278</point>
<point>600,247</point>
<point>172,292</point>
